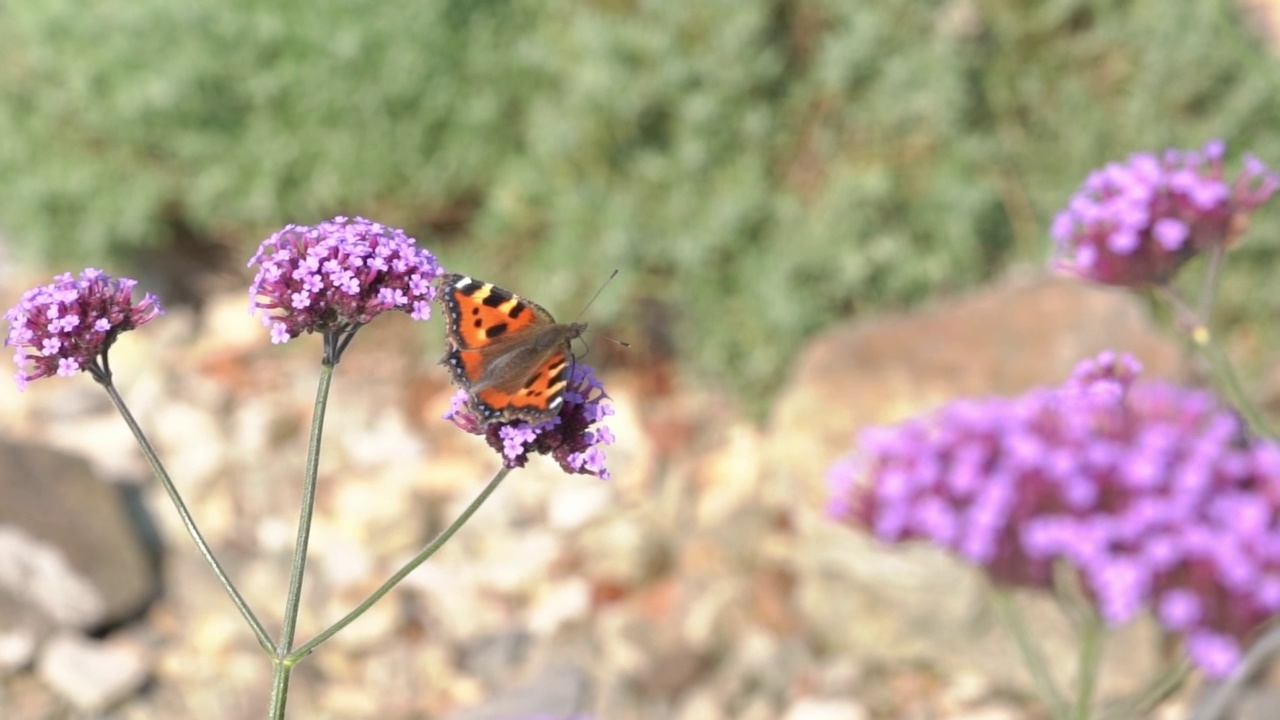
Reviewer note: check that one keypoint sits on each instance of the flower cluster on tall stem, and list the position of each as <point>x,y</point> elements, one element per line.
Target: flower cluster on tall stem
<point>338,275</point>
<point>69,325</point>
<point>1156,494</point>
<point>1135,223</point>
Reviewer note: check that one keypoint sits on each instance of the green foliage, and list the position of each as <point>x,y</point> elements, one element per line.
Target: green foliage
<point>758,167</point>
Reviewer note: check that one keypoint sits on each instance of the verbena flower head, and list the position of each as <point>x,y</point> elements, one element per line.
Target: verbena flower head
<point>339,274</point>
<point>1135,223</point>
<point>1154,493</point>
<point>575,437</point>
<point>67,326</point>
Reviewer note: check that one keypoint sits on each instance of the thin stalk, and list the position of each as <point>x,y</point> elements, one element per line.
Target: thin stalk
<point>1209,285</point>
<point>1031,655</point>
<point>187,521</point>
<point>1225,372</point>
<point>401,574</point>
<point>282,666</point>
<point>1091,636</point>
<point>1152,694</point>
<point>1207,346</point>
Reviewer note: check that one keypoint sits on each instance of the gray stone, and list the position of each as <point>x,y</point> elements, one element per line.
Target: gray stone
<point>68,544</point>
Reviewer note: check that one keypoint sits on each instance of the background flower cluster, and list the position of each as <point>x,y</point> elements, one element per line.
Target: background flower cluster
<point>1156,494</point>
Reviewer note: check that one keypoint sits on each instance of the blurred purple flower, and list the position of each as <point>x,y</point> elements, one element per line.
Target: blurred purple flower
<point>1135,223</point>
<point>338,275</point>
<point>574,438</point>
<point>65,327</point>
<point>1153,492</point>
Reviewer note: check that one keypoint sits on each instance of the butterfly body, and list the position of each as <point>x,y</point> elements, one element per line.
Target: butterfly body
<point>507,352</point>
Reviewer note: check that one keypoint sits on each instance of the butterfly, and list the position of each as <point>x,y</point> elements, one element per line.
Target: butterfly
<point>507,352</point>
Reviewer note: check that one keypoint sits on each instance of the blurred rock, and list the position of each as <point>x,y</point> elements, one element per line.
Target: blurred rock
<point>559,604</point>
<point>68,544</point>
<point>559,689</point>
<point>573,505</point>
<point>811,709</point>
<point>999,340</point>
<point>17,649</point>
<point>93,674</point>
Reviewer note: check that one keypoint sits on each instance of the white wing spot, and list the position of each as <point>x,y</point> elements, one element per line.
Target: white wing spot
<point>463,282</point>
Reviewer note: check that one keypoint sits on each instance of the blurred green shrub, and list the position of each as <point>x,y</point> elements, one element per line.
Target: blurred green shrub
<point>758,168</point>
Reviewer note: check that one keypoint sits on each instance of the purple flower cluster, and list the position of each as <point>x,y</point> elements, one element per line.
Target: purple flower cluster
<point>1135,223</point>
<point>1154,493</point>
<point>65,327</point>
<point>574,437</point>
<point>339,274</point>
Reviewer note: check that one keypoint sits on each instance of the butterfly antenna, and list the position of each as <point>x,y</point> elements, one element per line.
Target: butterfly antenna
<point>603,285</point>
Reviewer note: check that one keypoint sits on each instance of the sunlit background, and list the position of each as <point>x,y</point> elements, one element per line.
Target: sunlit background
<point>761,172</point>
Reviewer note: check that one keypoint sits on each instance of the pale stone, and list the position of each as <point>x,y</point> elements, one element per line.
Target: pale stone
<point>564,602</point>
<point>521,564</point>
<point>93,675</point>
<point>817,709</point>
<point>275,534</point>
<point>342,561</point>
<point>577,501</point>
<point>702,704</point>
<point>192,443</point>
<point>729,477</point>
<point>17,649</point>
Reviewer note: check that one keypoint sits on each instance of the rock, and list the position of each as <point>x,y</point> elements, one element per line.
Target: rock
<point>814,709</point>
<point>68,545</point>
<point>728,478</point>
<point>508,571</point>
<point>574,504</point>
<point>916,604</point>
<point>559,604</point>
<point>701,704</point>
<point>93,675</point>
<point>559,689</point>
<point>17,649</point>
<point>191,442</point>
<point>1000,340</point>
<point>623,549</point>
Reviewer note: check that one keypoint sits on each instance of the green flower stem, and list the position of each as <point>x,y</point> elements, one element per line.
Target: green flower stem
<point>1156,691</point>
<point>282,665</point>
<point>205,551</point>
<point>1092,634</point>
<point>1226,375</point>
<point>1207,346</point>
<point>409,567</point>
<point>1209,285</point>
<point>1031,655</point>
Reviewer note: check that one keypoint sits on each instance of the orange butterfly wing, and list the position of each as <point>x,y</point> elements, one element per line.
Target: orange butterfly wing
<point>507,351</point>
